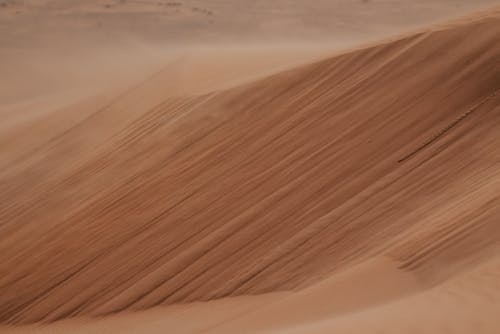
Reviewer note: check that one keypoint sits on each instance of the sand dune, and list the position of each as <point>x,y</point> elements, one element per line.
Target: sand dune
<point>85,46</point>
<point>348,303</point>
<point>358,192</point>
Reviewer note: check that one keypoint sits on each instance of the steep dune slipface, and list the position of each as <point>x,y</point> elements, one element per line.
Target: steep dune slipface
<point>274,185</point>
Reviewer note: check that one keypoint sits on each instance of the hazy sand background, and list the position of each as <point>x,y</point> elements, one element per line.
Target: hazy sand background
<point>263,167</point>
<point>54,45</point>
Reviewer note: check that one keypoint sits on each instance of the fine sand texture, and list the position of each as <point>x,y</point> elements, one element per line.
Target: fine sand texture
<point>330,191</point>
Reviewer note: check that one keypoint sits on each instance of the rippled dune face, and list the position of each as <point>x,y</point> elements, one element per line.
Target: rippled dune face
<point>236,167</point>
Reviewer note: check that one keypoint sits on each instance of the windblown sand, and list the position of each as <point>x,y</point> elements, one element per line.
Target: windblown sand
<point>292,188</point>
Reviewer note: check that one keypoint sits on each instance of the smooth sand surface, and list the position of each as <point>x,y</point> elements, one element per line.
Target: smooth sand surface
<point>273,187</point>
<point>86,46</point>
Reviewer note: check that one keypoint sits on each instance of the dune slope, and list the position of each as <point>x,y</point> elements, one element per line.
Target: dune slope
<point>274,185</point>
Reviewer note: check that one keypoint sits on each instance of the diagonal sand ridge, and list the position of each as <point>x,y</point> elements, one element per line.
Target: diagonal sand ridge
<point>282,202</point>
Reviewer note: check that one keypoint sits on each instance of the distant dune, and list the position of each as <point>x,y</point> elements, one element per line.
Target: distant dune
<point>355,193</point>
<point>82,47</point>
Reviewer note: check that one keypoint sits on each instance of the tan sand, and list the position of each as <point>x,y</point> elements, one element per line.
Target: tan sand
<point>356,192</point>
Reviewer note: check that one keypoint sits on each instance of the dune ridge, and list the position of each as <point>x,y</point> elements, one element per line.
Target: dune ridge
<point>274,185</point>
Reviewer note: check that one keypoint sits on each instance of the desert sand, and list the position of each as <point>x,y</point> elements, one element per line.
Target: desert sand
<point>225,167</point>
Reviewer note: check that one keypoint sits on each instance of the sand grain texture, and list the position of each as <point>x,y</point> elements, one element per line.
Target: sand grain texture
<point>359,192</point>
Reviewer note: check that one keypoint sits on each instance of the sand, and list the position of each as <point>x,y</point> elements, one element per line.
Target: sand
<point>289,186</point>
